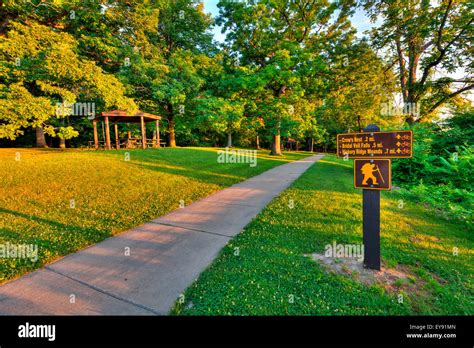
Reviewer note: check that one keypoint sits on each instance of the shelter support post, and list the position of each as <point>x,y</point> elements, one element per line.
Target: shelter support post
<point>107,132</point>
<point>142,124</point>
<point>96,136</point>
<point>157,133</point>
<point>117,143</point>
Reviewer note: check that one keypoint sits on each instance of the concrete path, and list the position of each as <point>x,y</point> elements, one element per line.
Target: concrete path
<point>165,256</point>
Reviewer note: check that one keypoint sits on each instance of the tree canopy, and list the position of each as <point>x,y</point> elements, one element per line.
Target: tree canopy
<point>287,69</point>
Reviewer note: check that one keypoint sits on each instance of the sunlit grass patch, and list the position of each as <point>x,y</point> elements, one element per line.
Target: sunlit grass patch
<point>264,270</point>
<point>63,201</point>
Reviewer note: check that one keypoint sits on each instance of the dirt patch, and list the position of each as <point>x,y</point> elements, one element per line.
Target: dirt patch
<point>394,280</point>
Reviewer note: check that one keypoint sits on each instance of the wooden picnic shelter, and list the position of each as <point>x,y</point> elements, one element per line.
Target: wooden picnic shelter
<point>120,116</point>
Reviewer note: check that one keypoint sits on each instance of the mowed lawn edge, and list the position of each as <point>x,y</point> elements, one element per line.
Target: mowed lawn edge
<point>265,269</point>
<point>64,201</point>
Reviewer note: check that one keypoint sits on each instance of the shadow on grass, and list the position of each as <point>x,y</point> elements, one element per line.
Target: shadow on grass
<point>64,228</point>
<point>197,167</point>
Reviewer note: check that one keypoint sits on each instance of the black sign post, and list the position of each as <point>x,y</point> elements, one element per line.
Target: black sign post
<point>372,151</point>
<point>371,221</point>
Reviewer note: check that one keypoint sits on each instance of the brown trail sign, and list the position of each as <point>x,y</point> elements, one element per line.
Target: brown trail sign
<point>397,144</point>
<point>373,173</point>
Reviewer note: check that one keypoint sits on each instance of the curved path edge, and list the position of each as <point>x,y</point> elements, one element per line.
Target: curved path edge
<point>143,271</point>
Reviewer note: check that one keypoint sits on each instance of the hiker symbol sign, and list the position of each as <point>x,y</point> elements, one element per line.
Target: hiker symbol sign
<point>372,174</point>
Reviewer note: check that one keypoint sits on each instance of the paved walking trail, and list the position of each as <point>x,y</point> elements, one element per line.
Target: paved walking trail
<point>166,255</point>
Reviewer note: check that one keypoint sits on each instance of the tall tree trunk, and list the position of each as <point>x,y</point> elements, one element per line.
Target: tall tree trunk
<point>40,139</point>
<point>401,65</point>
<point>276,148</point>
<point>229,139</point>
<point>172,139</point>
<point>258,142</point>
<point>62,143</point>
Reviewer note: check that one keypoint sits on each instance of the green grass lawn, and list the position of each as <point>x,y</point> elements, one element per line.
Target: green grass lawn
<point>263,271</point>
<point>110,194</point>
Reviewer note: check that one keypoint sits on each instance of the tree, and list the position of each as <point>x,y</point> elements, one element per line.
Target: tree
<point>218,115</point>
<point>281,42</point>
<point>164,74</point>
<point>360,86</point>
<point>41,62</point>
<point>424,39</point>
<point>222,104</point>
<point>19,109</point>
